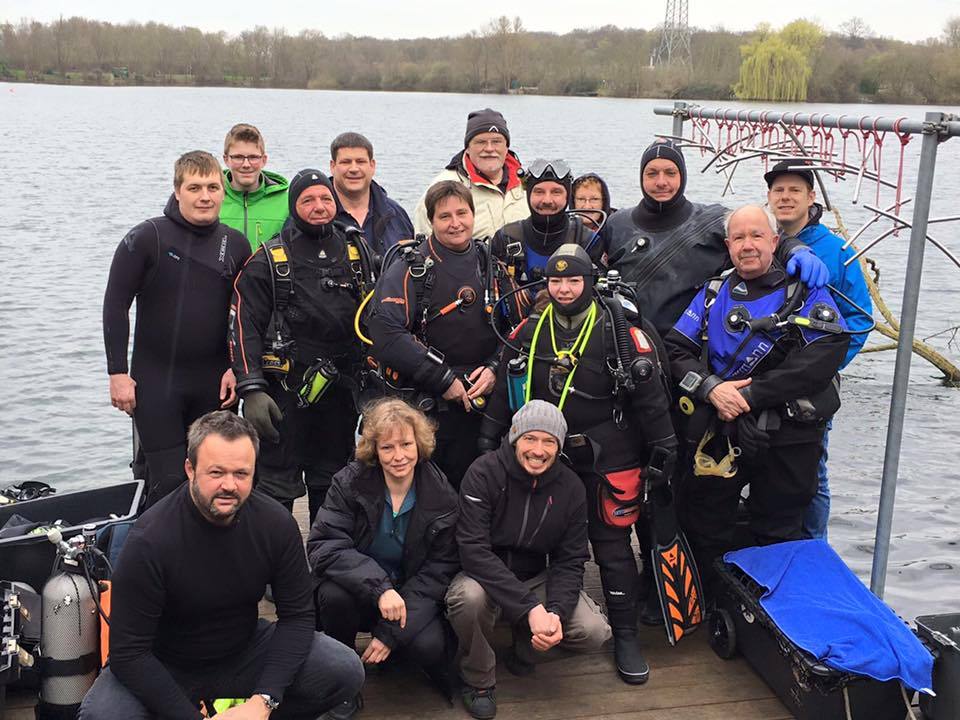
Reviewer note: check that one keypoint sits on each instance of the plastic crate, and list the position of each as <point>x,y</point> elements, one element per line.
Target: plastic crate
<point>30,559</point>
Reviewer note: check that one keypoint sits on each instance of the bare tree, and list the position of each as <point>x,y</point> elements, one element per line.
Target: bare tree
<point>951,32</point>
<point>856,29</point>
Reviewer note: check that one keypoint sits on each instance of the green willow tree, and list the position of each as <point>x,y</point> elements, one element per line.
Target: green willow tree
<point>778,66</point>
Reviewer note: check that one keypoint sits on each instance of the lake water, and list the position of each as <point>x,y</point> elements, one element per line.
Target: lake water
<point>86,164</point>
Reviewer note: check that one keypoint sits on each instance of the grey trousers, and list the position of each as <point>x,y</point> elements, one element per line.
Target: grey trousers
<point>473,615</point>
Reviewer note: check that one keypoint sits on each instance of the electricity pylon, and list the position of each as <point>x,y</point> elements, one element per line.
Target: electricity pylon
<point>674,48</point>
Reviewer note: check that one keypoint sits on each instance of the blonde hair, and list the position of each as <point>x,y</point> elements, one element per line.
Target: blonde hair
<point>195,162</point>
<point>243,132</point>
<point>383,416</point>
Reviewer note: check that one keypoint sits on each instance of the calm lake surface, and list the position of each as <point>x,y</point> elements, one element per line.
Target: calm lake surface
<point>86,164</point>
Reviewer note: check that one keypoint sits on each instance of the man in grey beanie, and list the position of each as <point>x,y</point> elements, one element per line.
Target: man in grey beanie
<point>489,168</point>
<point>522,535</point>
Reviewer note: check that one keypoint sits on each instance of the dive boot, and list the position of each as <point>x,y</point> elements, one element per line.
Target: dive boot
<point>481,703</point>
<point>631,665</point>
<point>651,614</point>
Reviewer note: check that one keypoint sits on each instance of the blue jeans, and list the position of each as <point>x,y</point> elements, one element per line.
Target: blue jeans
<point>818,512</point>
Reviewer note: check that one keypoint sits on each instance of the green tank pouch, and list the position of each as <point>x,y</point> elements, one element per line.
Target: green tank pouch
<point>317,379</point>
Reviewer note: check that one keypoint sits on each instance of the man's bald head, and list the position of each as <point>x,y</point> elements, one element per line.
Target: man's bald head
<point>751,240</point>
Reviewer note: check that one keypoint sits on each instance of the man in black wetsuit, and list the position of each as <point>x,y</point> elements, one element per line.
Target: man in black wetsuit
<point>184,625</point>
<point>431,323</point>
<point>180,267</point>
<point>669,246</point>
<point>293,347</point>
<point>524,246</point>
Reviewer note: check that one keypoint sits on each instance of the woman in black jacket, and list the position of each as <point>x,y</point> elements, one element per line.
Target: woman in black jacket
<point>382,545</point>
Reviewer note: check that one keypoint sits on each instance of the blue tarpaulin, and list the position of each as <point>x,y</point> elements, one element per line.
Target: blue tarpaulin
<point>817,602</point>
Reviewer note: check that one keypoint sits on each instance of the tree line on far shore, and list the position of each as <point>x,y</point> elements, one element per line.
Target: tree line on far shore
<point>802,61</point>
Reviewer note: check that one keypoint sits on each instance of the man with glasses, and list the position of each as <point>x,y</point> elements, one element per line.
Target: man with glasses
<point>490,169</point>
<point>526,245</point>
<point>255,200</point>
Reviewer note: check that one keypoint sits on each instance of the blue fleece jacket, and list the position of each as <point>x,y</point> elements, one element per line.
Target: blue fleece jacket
<point>848,280</point>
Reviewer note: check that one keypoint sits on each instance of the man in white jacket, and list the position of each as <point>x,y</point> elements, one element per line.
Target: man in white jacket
<point>490,169</point>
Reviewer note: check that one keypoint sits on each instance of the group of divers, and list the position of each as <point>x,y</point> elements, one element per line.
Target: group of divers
<point>538,375</point>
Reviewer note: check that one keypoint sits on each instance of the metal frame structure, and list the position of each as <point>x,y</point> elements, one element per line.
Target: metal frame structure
<point>674,45</point>
<point>936,127</point>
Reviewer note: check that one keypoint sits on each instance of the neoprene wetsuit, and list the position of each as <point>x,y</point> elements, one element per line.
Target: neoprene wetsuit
<point>181,276</point>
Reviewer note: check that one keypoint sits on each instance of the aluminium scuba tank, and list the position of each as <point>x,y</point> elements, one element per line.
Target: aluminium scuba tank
<point>517,382</point>
<point>70,633</point>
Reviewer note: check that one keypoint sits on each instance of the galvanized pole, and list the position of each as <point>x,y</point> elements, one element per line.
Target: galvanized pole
<point>901,375</point>
<point>679,107</point>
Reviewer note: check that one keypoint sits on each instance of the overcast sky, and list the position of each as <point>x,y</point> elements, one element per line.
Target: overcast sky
<point>915,20</point>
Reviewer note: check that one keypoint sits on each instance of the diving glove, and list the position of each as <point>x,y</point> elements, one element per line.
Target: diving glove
<point>750,438</point>
<point>812,271</point>
<point>263,413</point>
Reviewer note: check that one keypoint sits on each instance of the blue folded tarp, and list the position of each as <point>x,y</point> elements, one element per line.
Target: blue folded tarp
<point>817,602</point>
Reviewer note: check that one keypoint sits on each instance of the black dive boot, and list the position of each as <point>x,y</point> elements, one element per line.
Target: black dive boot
<point>631,665</point>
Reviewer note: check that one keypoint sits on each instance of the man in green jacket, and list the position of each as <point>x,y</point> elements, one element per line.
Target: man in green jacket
<point>255,201</point>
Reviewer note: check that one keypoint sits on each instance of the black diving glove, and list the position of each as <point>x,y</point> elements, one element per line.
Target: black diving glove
<point>263,413</point>
<point>751,440</point>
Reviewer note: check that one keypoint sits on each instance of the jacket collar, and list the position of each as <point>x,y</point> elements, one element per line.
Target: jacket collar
<point>511,165</point>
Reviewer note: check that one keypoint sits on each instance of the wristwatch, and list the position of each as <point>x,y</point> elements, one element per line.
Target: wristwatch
<point>269,701</point>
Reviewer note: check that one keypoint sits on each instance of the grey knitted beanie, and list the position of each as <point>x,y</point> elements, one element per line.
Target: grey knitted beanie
<point>538,415</point>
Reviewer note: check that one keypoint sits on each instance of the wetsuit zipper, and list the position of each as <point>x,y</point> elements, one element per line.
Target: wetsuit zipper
<point>676,246</point>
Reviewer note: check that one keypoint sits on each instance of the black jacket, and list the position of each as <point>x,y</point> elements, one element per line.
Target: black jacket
<point>511,523</point>
<point>386,224</point>
<point>346,525</point>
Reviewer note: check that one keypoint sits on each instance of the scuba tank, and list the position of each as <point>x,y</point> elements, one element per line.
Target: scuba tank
<point>70,633</point>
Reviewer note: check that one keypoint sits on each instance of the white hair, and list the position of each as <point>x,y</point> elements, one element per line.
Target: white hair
<point>728,216</point>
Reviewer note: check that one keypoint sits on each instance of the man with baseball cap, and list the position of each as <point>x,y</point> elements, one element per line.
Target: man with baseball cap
<point>522,534</point>
<point>793,202</point>
<point>489,168</point>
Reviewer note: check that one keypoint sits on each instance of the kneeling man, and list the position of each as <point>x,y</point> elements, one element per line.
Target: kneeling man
<point>186,589</point>
<point>522,534</point>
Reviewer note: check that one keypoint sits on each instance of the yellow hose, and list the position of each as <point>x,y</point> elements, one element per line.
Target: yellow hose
<point>356,320</point>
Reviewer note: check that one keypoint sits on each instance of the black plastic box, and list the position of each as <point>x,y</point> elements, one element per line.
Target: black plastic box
<point>941,634</point>
<point>809,689</point>
<point>30,559</point>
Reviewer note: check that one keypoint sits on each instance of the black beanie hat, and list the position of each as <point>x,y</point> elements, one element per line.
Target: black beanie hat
<point>663,149</point>
<point>300,182</point>
<point>486,120</point>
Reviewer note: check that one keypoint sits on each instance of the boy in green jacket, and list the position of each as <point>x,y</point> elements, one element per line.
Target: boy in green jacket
<point>255,201</point>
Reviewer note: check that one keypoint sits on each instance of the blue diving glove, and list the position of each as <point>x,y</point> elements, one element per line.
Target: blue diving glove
<point>803,262</point>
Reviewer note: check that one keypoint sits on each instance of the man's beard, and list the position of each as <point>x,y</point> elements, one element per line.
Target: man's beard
<point>207,506</point>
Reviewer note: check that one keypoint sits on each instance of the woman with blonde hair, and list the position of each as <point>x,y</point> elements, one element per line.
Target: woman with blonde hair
<point>382,545</point>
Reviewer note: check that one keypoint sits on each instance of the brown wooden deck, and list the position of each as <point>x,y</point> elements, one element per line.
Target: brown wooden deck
<point>686,682</point>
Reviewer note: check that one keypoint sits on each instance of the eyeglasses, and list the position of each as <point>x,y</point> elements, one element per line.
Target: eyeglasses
<point>240,159</point>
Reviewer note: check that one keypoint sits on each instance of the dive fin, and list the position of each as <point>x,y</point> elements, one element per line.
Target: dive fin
<point>674,569</point>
